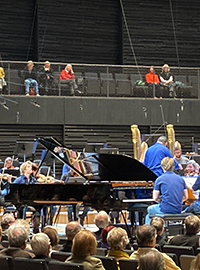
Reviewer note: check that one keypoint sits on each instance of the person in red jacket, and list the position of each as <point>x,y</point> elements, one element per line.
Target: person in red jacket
<point>67,77</point>
<point>153,81</point>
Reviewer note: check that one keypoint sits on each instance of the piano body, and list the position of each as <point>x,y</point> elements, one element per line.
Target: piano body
<point>99,187</point>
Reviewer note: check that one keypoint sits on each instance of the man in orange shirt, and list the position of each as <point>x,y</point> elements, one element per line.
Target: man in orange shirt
<point>153,81</point>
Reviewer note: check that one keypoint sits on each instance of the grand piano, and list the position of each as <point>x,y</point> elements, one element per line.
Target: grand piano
<point>98,186</point>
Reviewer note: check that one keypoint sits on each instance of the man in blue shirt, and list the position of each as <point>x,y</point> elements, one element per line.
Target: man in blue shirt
<point>155,154</point>
<point>172,189</point>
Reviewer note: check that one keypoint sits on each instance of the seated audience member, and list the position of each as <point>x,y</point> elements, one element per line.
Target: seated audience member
<point>67,76</point>
<point>173,190</point>
<point>151,260</point>
<point>0,237</point>
<point>26,174</point>
<point>153,81</point>
<point>52,233</point>
<point>72,228</point>
<point>6,221</point>
<point>2,78</point>
<point>101,220</point>
<point>83,247</point>
<point>190,238</point>
<point>46,76</point>
<point>40,245</point>
<point>158,223</point>
<point>104,234</point>
<point>195,264</point>
<point>179,158</point>
<point>17,238</point>
<point>167,80</point>
<point>117,240</point>
<point>30,77</point>
<point>146,239</point>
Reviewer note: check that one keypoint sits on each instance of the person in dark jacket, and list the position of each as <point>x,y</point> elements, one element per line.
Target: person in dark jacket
<point>158,223</point>
<point>190,238</point>
<point>167,80</point>
<point>72,228</point>
<point>30,77</point>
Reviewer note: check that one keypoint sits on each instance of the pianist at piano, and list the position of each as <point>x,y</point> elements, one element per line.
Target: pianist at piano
<point>173,190</point>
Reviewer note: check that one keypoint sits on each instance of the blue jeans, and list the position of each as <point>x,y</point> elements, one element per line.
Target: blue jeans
<point>152,211</point>
<point>34,84</point>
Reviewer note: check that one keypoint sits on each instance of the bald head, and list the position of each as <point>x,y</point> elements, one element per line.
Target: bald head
<point>102,219</point>
<point>72,228</point>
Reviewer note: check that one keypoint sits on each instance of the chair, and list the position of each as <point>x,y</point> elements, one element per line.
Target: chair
<point>101,251</point>
<point>107,84</point>
<point>178,250</point>
<point>123,85</point>
<point>92,84</point>
<point>174,257</point>
<point>125,264</point>
<point>109,263</point>
<point>6,263</point>
<point>60,256</point>
<point>128,251</point>
<point>45,170</point>
<point>65,266</point>
<point>185,261</point>
<point>138,91</point>
<point>5,243</point>
<point>30,264</point>
<point>16,85</point>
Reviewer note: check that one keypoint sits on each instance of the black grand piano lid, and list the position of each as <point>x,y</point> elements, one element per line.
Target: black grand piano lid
<point>114,167</point>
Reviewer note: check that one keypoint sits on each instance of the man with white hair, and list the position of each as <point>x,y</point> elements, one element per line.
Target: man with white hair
<point>40,244</point>
<point>101,220</point>
<point>72,228</point>
<point>17,237</point>
<point>67,77</point>
<point>30,77</point>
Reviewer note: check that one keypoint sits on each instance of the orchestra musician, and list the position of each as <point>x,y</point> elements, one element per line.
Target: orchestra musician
<point>195,207</point>
<point>8,164</point>
<point>156,153</point>
<point>173,190</point>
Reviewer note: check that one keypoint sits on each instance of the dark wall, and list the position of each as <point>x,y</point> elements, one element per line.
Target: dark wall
<point>93,32</point>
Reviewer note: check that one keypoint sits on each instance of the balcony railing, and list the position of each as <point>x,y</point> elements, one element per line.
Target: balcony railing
<point>103,80</point>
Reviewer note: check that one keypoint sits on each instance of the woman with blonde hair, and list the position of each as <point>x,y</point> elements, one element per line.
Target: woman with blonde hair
<point>83,247</point>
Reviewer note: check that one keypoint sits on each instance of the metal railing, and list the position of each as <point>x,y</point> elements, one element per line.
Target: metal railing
<point>100,80</point>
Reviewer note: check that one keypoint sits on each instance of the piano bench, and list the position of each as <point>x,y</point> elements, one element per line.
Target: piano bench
<point>173,217</point>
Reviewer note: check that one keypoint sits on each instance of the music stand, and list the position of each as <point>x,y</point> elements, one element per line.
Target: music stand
<point>93,147</point>
<point>24,149</point>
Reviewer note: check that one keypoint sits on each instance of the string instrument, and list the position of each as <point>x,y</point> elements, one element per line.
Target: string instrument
<point>139,147</point>
<point>191,198</point>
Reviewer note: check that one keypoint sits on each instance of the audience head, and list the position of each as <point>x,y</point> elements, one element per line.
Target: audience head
<point>68,67</point>
<point>47,64</point>
<point>167,164</point>
<point>26,167</point>
<point>146,236</point>
<point>163,140</point>
<point>158,223</point>
<point>40,244</point>
<point>6,221</point>
<point>165,68</point>
<point>84,244</point>
<point>105,232</point>
<point>17,236</point>
<point>30,64</point>
<point>24,223</point>
<point>102,219</point>
<point>0,233</point>
<point>152,260</point>
<point>72,228</point>
<point>195,264</point>
<point>117,239</point>
<point>192,225</point>
<point>8,163</point>
<point>151,69</point>
<point>52,233</point>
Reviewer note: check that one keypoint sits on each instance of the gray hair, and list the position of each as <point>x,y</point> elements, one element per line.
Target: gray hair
<point>117,239</point>
<point>72,229</point>
<point>102,219</point>
<point>40,244</point>
<point>156,259</point>
<point>162,139</point>
<point>194,163</point>
<point>6,219</point>
<point>17,235</point>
